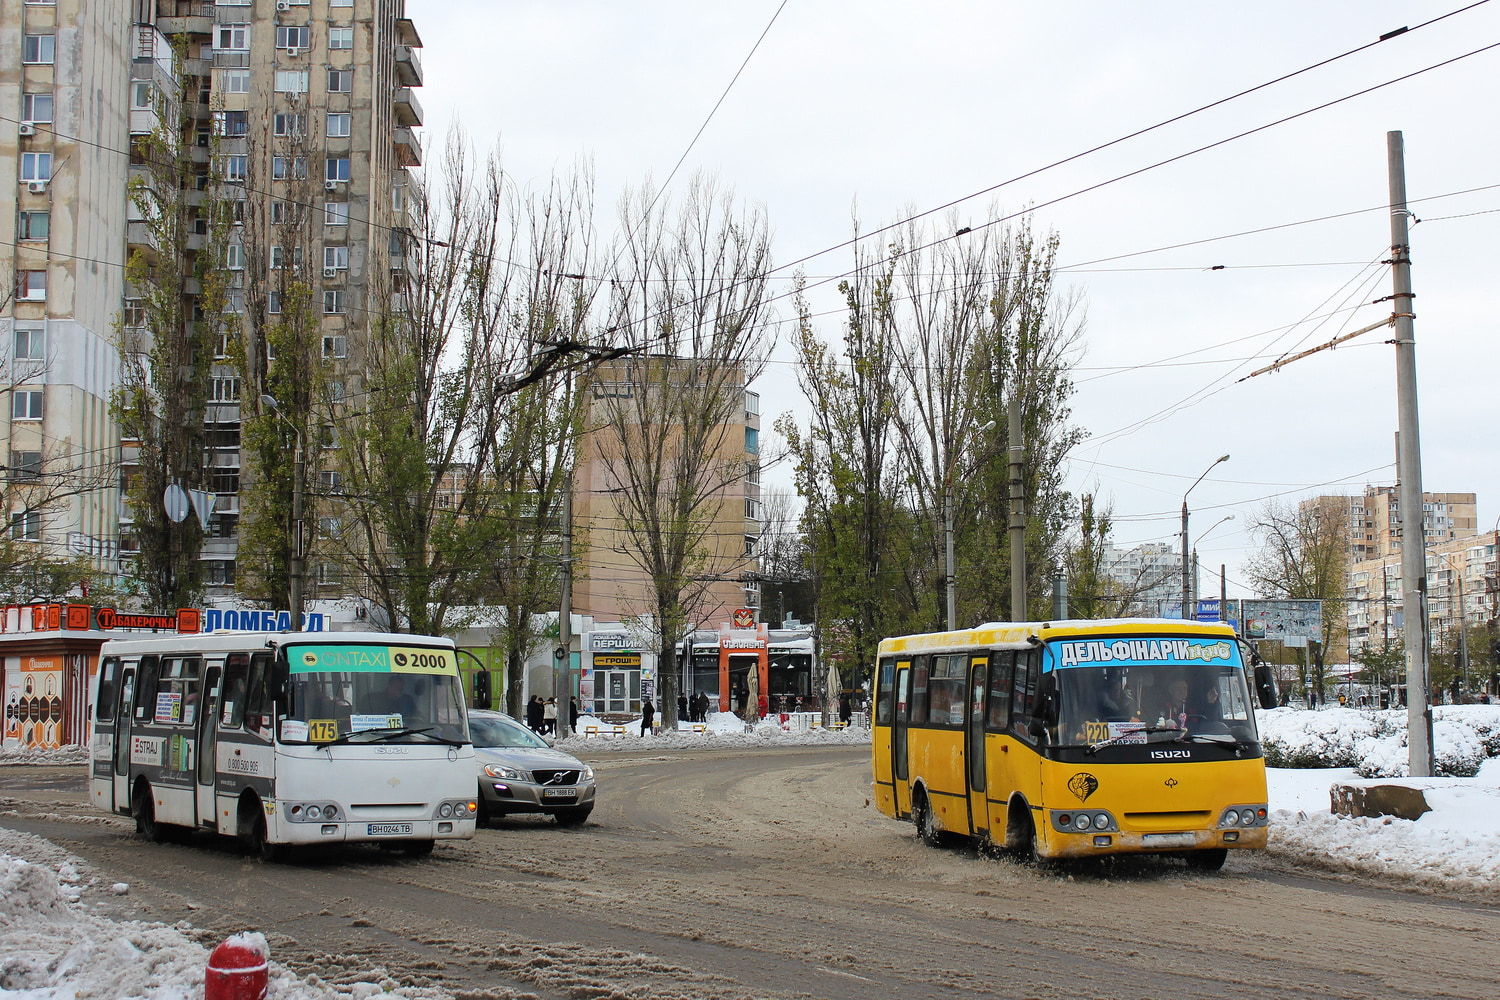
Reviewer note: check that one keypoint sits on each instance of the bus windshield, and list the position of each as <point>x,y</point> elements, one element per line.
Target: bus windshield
<point>365,692</point>
<point>1148,690</point>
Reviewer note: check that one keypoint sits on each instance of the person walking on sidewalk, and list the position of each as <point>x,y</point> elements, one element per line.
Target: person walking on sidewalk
<point>549,717</point>
<point>648,714</point>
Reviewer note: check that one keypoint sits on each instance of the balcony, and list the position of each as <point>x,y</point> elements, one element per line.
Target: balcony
<point>408,66</point>
<point>187,19</point>
<point>138,233</point>
<point>143,121</point>
<point>408,108</point>
<point>408,148</point>
<point>406,31</point>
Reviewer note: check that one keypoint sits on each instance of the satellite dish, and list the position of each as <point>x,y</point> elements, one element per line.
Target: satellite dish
<point>175,502</point>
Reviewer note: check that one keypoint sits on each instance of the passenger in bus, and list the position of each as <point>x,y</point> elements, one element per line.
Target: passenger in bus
<point>1115,704</point>
<point>1174,710</point>
<point>395,700</point>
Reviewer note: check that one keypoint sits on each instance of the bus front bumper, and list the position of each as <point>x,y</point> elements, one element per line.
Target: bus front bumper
<point>1087,845</point>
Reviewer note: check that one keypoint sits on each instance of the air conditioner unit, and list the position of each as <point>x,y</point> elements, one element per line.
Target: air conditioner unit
<point>331,185</point>
<point>28,129</point>
<point>37,187</point>
<point>293,51</point>
<point>330,272</point>
<point>283,5</point>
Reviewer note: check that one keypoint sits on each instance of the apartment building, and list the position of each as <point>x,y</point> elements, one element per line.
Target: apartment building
<point>1374,519</point>
<point>609,584</point>
<point>64,68</point>
<point>307,111</point>
<point>1463,585</point>
<point>1151,573</point>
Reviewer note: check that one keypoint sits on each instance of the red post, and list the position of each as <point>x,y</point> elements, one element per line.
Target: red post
<point>237,969</point>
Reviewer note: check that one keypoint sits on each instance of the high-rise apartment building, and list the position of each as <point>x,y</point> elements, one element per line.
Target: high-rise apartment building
<point>1374,519</point>
<point>64,110</point>
<point>301,111</point>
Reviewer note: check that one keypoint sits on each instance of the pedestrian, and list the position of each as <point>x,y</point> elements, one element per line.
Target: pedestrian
<point>573,716</point>
<point>846,709</point>
<point>648,714</point>
<point>534,714</point>
<point>682,707</point>
<point>549,717</point>
<point>702,707</point>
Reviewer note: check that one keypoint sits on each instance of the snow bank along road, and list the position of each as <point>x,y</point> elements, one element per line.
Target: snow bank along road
<point>733,874</point>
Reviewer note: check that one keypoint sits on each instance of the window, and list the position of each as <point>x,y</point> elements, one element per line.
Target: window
<point>335,213</point>
<point>31,286</point>
<point>333,305</point>
<point>38,49</point>
<point>225,389</point>
<point>36,108</point>
<point>341,3</point>
<point>36,167</point>
<point>232,123</point>
<point>336,258</point>
<point>340,81</point>
<point>921,667</point>
<point>278,213</point>
<point>31,344</point>
<point>26,404</point>
<point>235,81</point>
<point>340,38</point>
<point>336,168</point>
<point>329,527</point>
<point>218,572</point>
<point>338,124</point>
<point>331,482</point>
<point>25,464</point>
<point>288,168</point>
<point>26,526</point>
<point>234,168</point>
<point>289,125</point>
<point>335,347</point>
<point>752,509</point>
<point>234,256</point>
<point>291,81</point>
<point>752,440</point>
<point>33,225</point>
<point>328,436</point>
<point>232,37</point>
<point>947,690</point>
<point>336,392</point>
<point>751,542</point>
<point>273,303</point>
<point>293,36</point>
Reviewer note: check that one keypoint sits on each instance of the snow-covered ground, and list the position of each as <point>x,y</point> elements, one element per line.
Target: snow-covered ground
<point>55,944</point>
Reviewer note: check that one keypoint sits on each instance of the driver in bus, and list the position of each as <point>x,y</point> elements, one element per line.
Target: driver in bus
<point>396,701</point>
<point>1115,703</point>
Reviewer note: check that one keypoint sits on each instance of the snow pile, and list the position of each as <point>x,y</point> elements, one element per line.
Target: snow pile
<point>722,730</point>
<point>17,755</point>
<point>1373,743</point>
<point>53,948</point>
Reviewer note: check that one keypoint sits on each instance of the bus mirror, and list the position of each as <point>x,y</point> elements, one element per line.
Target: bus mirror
<point>1044,715</point>
<point>1265,684</point>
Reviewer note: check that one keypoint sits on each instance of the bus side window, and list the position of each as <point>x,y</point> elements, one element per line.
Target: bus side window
<point>1001,665</point>
<point>145,687</point>
<point>109,682</point>
<point>257,692</point>
<point>920,669</point>
<point>1023,692</point>
<point>236,677</point>
<point>885,693</point>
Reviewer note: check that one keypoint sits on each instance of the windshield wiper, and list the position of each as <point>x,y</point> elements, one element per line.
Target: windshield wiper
<point>1094,748</point>
<point>1219,738</point>
<point>381,735</point>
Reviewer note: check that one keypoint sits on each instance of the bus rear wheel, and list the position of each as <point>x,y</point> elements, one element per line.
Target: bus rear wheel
<point>144,808</point>
<point>1208,861</point>
<point>926,822</point>
<point>260,843</point>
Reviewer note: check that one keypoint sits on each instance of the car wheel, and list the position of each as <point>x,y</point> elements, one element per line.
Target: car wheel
<point>1208,861</point>
<point>572,817</point>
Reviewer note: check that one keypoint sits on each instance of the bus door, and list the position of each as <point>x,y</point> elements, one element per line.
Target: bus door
<point>1000,778</point>
<point>898,739</point>
<point>124,717</point>
<point>207,727</point>
<point>974,749</point>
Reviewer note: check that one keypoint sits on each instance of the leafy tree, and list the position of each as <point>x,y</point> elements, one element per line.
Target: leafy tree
<point>181,290</point>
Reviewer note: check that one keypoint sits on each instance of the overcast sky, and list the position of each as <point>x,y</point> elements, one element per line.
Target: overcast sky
<point>881,108</point>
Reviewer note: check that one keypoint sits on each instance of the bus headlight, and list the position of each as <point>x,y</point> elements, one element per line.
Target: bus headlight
<point>1082,821</point>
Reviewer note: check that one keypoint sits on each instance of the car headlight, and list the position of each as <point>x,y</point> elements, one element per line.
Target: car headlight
<point>508,773</point>
<point>588,773</point>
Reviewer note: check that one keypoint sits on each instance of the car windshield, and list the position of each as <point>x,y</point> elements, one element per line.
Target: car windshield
<point>502,731</point>
<point>1194,689</point>
<point>386,698</point>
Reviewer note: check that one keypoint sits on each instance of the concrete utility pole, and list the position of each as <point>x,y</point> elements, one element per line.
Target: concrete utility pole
<point>1409,468</point>
<point>562,666</point>
<point>1017,525</point>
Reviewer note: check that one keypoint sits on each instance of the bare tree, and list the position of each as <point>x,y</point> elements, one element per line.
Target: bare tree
<point>689,300</point>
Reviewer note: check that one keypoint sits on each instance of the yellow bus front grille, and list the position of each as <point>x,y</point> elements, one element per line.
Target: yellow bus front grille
<point>1167,820</point>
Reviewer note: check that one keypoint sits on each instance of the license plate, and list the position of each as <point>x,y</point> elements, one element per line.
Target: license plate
<point>388,829</point>
<point>1168,840</point>
<point>559,793</point>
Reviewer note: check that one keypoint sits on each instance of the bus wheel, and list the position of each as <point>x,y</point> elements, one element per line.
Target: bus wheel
<point>260,843</point>
<point>145,815</point>
<point>1208,861</point>
<point>417,848</point>
<point>1025,842</point>
<point>921,815</point>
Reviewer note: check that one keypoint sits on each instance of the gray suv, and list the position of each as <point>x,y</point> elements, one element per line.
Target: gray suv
<point>520,773</point>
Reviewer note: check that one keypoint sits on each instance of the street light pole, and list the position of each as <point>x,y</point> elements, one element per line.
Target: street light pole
<point>294,563</point>
<point>1186,585</point>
